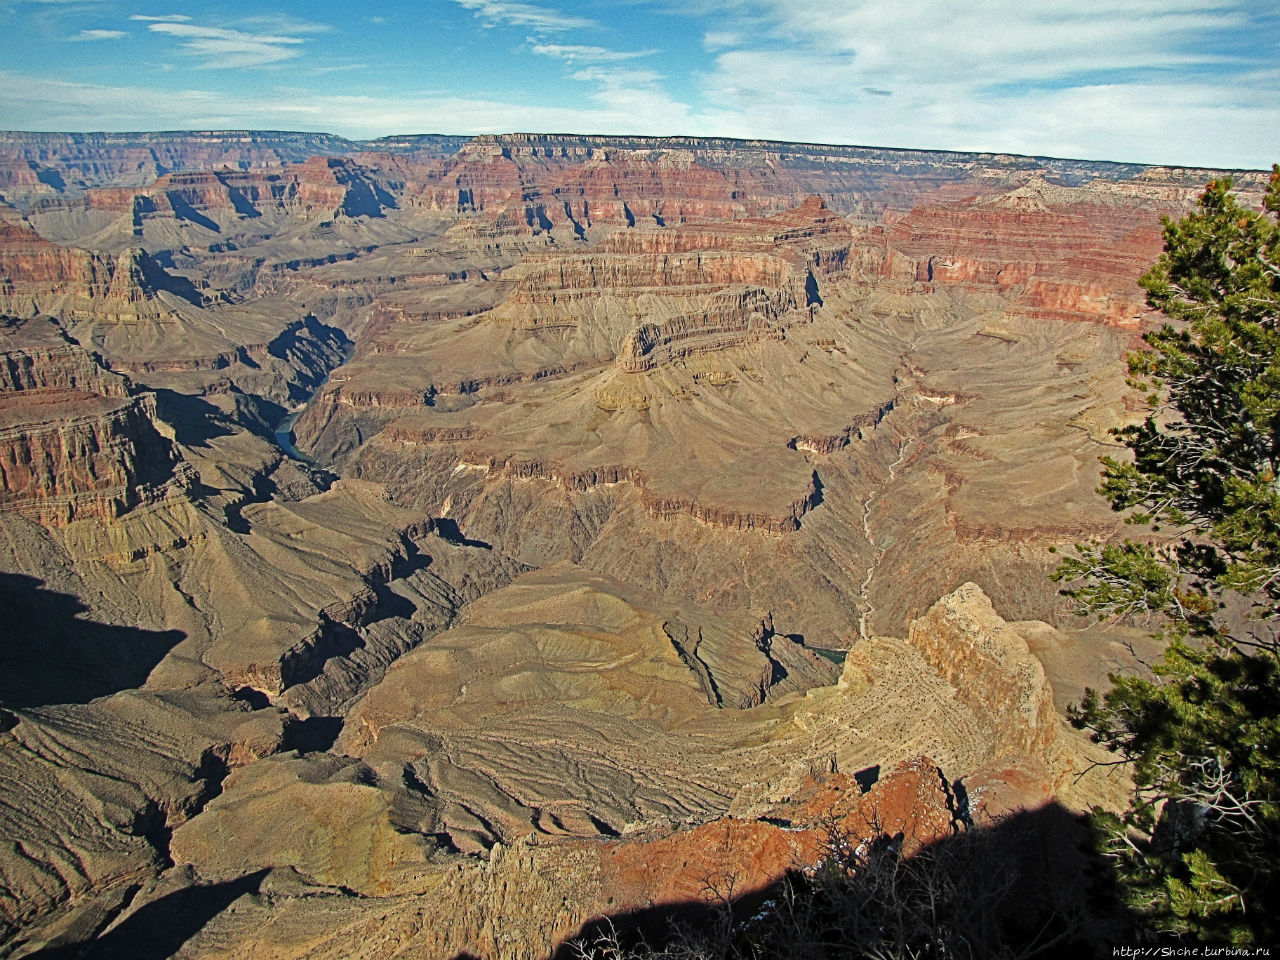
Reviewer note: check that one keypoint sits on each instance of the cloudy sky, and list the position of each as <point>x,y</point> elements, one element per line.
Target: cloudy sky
<point>1194,82</point>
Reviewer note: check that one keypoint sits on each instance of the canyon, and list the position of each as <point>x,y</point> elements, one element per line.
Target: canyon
<point>645,507</point>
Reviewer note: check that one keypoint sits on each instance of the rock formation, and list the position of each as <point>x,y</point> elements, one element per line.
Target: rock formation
<point>75,439</point>
<point>553,525</point>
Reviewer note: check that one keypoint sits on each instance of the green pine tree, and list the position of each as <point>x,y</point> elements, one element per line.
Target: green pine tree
<point>1198,850</point>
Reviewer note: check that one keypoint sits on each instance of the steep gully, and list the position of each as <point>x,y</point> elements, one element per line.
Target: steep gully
<point>905,441</point>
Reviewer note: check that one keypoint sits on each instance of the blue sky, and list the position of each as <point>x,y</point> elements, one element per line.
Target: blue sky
<point>1193,82</point>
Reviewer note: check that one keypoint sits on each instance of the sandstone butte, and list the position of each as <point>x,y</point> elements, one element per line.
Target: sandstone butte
<point>442,546</point>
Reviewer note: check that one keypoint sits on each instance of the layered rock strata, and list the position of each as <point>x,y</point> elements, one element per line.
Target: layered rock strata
<point>75,439</point>
<point>37,276</point>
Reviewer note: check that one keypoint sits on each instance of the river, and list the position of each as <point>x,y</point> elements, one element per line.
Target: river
<point>284,436</point>
<point>284,429</point>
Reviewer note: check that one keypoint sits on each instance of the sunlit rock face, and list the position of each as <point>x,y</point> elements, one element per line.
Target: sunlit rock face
<point>462,539</point>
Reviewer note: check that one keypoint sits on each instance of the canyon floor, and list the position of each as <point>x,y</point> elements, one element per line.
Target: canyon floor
<point>427,547</point>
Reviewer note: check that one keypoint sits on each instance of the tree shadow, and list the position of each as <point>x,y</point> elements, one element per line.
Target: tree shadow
<point>51,655</point>
<point>1032,884</point>
<point>159,929</point>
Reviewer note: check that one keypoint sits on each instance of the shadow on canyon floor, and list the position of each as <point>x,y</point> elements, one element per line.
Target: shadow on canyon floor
<point>159,929</point>
<point>195,421</point>
<point>1030,885</point>
<point>51,655</point>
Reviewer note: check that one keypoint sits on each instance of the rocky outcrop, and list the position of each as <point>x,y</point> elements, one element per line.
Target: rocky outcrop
<point>732,321</point>
<point>991,668</point>
<point>37,276</point>
<point>522,188</point>
<point>780,254</point>
<point>81,458</point>
<point>829,443</point>
<point>669,508</point>
<point>542,277</point>
<point>406,430</point>
<point>328,186</point>
<point>75,439</point>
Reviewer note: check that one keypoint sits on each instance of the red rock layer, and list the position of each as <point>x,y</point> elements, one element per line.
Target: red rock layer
<point>75,441</point>
<point>323,185</point>
<point>775,258</point>
<point>36,276</point>
<point>1077,257</point>
<point>913,801</point>
<point>529,186</point>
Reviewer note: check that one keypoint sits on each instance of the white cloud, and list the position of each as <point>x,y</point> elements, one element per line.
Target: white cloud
<point>1177,123</point>
<point>1104,79</point>
<point>99,35</point>
<point>539,19</point>
<point>224,48</point>
<point>165,18</point>
<point>637,96</point>
<point>998,41</point>
<point>63,105</point>
<point>619,90</point>
<point>281,23</point>
<point>579,53</point>
<point>721,39</point>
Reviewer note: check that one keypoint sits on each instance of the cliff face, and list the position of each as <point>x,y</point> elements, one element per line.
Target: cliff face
<point>37,276</point>
<point>655,505</point>
<point>1069,253</point>
<point>71,162</point>
<point>992,669</point>
<point>75,440</point>
<point>325,186</point>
